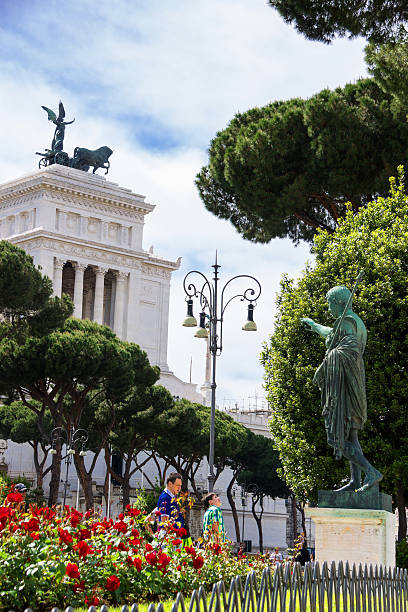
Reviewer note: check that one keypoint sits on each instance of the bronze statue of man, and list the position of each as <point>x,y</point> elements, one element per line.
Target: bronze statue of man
<point>341,379</point>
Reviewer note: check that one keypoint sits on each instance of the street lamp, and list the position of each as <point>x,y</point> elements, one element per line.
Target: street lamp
<point>71,438</point>
<point>211,322</point>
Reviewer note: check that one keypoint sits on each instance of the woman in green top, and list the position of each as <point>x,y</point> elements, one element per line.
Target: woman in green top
<point>213,523</point>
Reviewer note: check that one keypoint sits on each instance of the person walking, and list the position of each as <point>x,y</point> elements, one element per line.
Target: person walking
<point>213,522</point>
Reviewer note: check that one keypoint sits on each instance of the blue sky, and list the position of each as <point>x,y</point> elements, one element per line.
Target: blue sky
<point>155,80</point>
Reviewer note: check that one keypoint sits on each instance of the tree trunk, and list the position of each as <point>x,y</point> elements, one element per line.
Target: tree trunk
<point>258,519</point>
<point>107,477</point>
<point>85,478</point>
<point>55,476</point>
<point>126,482</point>
<point>38,466</point>
<point>402,517</point>
<point>301,509</point>
<point>234,509</point>
<point>294,518</point>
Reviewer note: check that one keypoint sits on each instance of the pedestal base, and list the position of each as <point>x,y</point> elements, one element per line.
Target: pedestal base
<point>354,535</point>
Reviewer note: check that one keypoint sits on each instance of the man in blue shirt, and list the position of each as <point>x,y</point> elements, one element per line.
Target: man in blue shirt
<point>167,504</point>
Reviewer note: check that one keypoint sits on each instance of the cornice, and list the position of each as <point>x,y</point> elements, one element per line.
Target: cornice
<point>74,202</point>
<point>84,249</point>
<point>65,187</point>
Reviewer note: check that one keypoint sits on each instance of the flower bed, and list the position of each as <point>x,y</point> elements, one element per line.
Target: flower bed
<point>49,560</point>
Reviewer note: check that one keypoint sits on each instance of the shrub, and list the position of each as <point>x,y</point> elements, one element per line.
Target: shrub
<point>47,560</point>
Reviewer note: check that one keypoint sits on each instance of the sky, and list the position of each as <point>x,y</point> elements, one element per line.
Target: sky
<point>155,80</point>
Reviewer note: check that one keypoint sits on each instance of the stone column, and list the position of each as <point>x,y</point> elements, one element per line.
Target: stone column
<point>17,226</point>
<point>79,288</point>
<point>164,323</point>
<point>62,222</point>
<point>125,236</point>
<point>31,219</point>
<point>99,294</point>
<point>119,303</point>
<point>58,267</point>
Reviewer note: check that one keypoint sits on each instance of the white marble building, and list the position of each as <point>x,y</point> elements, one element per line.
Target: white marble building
<point>86,233</point>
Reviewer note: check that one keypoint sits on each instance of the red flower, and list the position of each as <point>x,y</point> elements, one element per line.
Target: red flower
<point>112,583</point>
<point>35,536</point>
<point>93,601</point>
<point>163,559</point>
<point>83,549</point>
<point>79,586</point>
<point>72,571</point>
<point>121,516</point>
<point>135,533</point>
<point>181,532</point>
<point>122,546</point>
<point>148,547</point>
<point>198,563</point>
<point>134,542</point>
<point>132,511</point>
<point>179,567</point>
<point>14,498</point>
<point>137,562</point>
<point>83,534</point>
<point>31,525</point>
<point>151,558</point>
<point>176,542</point>
<point>65,536</point>
<point>75,518</point>
<point>120,526</point>
<point>190,550</point>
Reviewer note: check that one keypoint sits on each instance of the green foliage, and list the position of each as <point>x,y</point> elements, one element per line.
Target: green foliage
<point>81,560</point>
<point>26,304</point>
<point>326,20</point>
<point>288,168</point>
<point>146,500</point>
<point>401,556</point>
<point>261,468</point>
<point>21,424</point>
<point>388,64</point>
<point>375,240</point>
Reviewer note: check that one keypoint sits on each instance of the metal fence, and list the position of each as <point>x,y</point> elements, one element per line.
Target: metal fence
<point>292,588</point>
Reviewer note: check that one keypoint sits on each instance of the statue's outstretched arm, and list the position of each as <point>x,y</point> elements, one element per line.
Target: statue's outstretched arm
<point>311,325</point>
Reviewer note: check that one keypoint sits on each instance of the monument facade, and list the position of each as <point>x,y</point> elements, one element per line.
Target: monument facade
<point>86,233</point>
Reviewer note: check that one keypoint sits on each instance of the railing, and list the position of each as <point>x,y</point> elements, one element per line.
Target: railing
<point>291,588</point>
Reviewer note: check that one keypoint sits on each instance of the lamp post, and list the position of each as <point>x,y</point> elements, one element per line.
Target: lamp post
<point>213,302</point>
<point>71,438</point>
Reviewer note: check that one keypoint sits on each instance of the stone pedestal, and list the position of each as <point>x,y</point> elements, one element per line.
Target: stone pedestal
<point>355,535</point>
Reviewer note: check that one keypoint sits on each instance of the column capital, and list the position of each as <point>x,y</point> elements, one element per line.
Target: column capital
<point>59,263</point>
<point>100,270</point>
<point>78,265</point>
<point>121,276</point>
